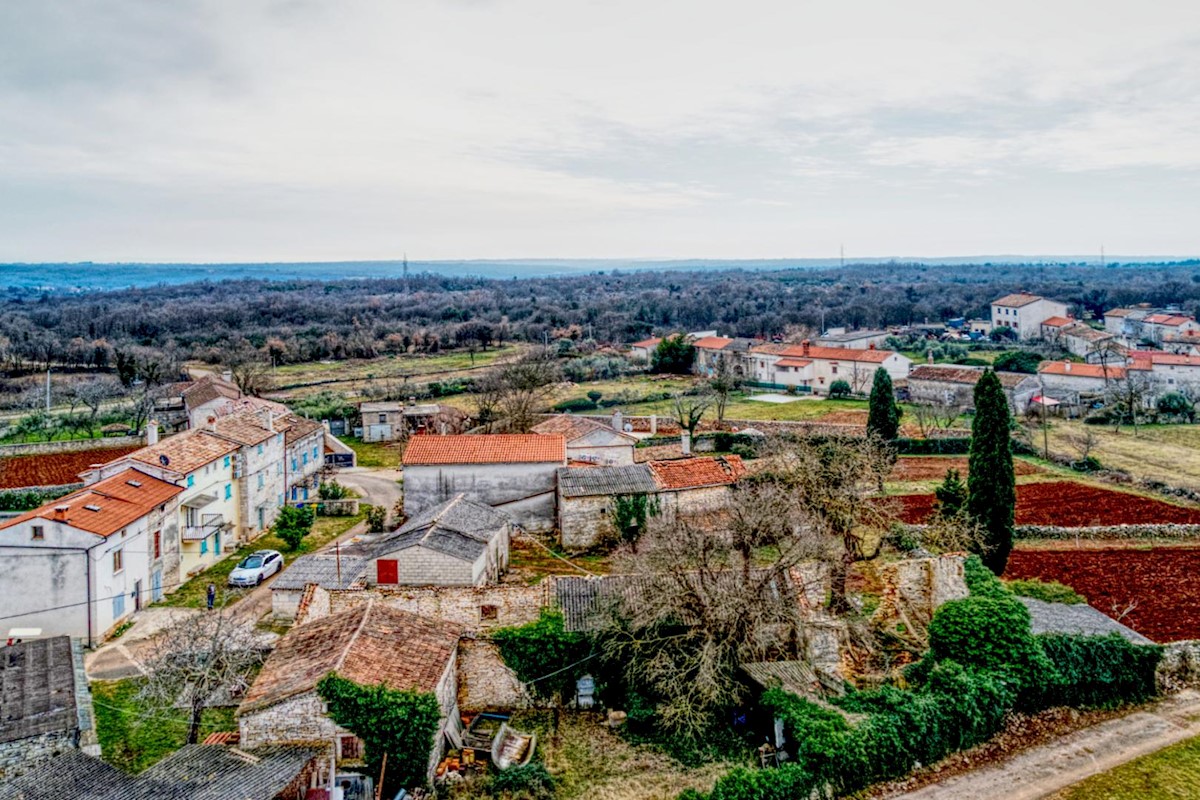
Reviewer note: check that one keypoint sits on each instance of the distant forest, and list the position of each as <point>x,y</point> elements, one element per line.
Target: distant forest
<point>310,320</point>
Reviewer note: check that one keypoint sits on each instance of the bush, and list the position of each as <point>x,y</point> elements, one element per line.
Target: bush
<point>788,782</point>
<point>576,404</point>
<point>332,490</point>
<point>932,447</point>
<point>990,633</point>
<point>26,500</point>
<point>530,781</point>
<point>595,395</point>
<point>839,389</point>
<point>293,524</point>
<point>1047,591</point>
<point>376,519</point>
<point>1095,671</point>
<point>1018,361</point>
<point>541,648</point>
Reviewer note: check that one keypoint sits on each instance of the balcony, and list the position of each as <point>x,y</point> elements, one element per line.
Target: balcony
<point>208,525</point>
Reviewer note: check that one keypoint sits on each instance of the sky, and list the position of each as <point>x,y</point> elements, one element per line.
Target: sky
<point>445,129</point>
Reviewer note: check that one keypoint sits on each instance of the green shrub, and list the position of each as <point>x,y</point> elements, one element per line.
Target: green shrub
<point>1018,361</point>
<point>24,500</point>
<point>543,648</point>
<point>1090,671</point>
<point>988,632</point>
<point>376,519</point>
<point>528,781</point>
<point>293,524</point>
<point>932,447</point>
<point>981,581</point>
<point>332,490</point>
<point>839,388</point>
<point>576,404</point>
<point>789,782</point>
<point>951,494</point>
<point>1047,591</point>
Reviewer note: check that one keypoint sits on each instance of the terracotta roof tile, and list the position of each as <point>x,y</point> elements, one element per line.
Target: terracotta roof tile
<point>502,448</point>
<point>1017,300</point>
<point>1058,322</point>
<point>1168,320</point>
<point>1070,368</point>
<point>370,644</point>
<point>55,469</point>
<point>295,428</point>
<point>712,343</point>
<point>838,353</point>
<point>693,473</point>
<point>185,451</point>
<point>244,427</point>
<point>793,362</point>
<point>107,506</point>
<point>572,427</point>
<point>651,342</point>
<point>209,388</point>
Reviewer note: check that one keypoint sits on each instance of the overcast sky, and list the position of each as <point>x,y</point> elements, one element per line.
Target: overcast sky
<point>242,130</point>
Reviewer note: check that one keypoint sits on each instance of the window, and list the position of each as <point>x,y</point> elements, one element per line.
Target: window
<point>260,449</point>
<point>489,612</point>
<point>316,451</point>
<point>37,532</point>
<point>227,461</point>
<point>382,419</point>
<point>118,560</point>
<point>833,369</point>
<point>119,606</point>
<point>158,544</point>
<point>304,460</point>
<point>260,480</point>
<point>228,490</point>
<point>191,481</point>
<point>294,465</point>
<point>387,571</point>
<point>349,748</point>
<point>204,547</point>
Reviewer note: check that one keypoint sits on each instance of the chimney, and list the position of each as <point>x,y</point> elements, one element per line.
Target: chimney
<point>685,441</point>
<point>1066,366</point>
<point>804,347</point>
<point>267,418</point>
<point>653,424</point>
<point>870,345</point>
<point>152,432</point>
<point>212,422</point>
<point>60,513</point>
<point>617,421</point>
<point>929,356</point>
<point>227,375</point>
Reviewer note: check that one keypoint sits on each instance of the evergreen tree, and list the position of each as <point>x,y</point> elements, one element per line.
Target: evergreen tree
<point>951,495</point>
<point>991,484</point>
<point>883,419</point>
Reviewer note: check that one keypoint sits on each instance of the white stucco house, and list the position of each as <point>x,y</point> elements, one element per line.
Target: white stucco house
<point>514,473</point>
<point>369,645</point>
<point>1064,379</point>
<point>80,565</point>
<point>461,542</point>
<point>812,368</point>
<point>590,441</point>
<point>1024,313</point>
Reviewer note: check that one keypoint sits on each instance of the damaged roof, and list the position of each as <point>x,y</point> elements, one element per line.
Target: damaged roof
<point>460,527</point>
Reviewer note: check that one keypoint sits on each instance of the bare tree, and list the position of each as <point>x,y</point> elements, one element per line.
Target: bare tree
<point>1083,441</point>
<point>929,417</point>
<point>91,396</point>
<point>512,395</point>
<point>690,410</point>
<point>200,661</point>
<point>251,370</point>
<point>1127,397</point>
<point>723,383</point>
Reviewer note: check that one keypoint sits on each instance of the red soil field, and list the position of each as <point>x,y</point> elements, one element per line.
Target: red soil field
<point>54,469</point>
<point>1069,505</point>
<point>933,468</point>
<point>1160,588</point>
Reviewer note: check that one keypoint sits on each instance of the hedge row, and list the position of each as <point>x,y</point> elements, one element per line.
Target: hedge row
<point>26,500</point>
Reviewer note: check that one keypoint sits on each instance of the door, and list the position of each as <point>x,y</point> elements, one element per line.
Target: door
<point>156,592</point>
<point>137,595</point>
<point>217,543</point>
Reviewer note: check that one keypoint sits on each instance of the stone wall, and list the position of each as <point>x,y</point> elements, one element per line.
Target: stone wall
<point>583,522</point>
<point>423,566</point>
<point>485,683</point>
<point>20,756</point>
<point>914,588</point>
<point>1162,531</point>
<point>514,604</point>
<point>296,719</point>
<point>1179,667</point>
<point>70,446</point>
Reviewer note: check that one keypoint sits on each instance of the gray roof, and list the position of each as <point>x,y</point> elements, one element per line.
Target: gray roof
<point>217,772</point>
<point>321,569</point>
<point>460,527</point>
<point>75,775</point>
<point>37,688</point>
<point>1080,618</point>
<point>589,603</point>
<point>591,481</point>
<point>850,336</point>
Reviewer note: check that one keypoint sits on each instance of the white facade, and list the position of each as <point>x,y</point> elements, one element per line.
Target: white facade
<point>1025,313</point>
<point>303,463</point>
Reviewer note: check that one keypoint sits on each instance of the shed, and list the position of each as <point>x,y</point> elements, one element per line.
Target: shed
<point>327,570</point>
<point>589,440</point>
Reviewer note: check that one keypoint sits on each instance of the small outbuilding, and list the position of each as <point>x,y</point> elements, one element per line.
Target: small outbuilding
<point>589,441</point>
<point>460,542</point>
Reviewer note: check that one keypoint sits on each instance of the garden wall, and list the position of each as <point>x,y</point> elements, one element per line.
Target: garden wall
<point>69,446</point>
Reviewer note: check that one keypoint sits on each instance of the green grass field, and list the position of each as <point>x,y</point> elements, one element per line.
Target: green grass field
<point>389,366</point>
<point>193,593</point>
<point>1169,774</point>
<point>375,455</point>
<point>1168,453</point>
<point>134,737</point>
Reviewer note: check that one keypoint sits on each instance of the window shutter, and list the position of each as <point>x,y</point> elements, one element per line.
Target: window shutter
<point>386,570</point>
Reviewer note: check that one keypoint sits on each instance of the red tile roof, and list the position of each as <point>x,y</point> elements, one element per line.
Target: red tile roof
<point>1017,300</point>
<point>55,469</point>
<point>370,644</point>
<point>693,473</point>
<point>107,506</point>
<point>500,448</point>
<point>1167,320</point>
<point>1166,359</point>
<point>712,343</point>
<point>1058,322</point>
<point>793,362</point>
<point>651,342</point>
<point>838,353</point>
<point>571,427</point>
<point>186,452</point>
<point>1071,368</point>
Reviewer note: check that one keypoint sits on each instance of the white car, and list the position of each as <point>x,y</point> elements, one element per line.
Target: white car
<point>256,567</point>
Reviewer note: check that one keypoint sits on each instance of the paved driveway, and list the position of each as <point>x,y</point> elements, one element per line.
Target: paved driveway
<point>377,486</point>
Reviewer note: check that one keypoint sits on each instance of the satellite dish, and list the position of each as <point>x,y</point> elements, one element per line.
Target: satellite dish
<point>164,460</point>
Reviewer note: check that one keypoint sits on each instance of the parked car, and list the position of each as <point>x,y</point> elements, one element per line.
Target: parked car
<point>256,567</point>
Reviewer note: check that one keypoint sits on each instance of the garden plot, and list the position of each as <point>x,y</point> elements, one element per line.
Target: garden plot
<point>772,397</point>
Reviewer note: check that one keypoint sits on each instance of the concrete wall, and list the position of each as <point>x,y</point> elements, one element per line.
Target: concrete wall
<point>523,491</point>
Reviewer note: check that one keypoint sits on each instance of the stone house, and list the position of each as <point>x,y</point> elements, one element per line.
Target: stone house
<point>1066,380</point>
<point>381,421</point>
<point>82,564</point>
<point>258,467</point>
<point>1024,313</point>
<point>589,441</point>
<point>588,497</point>
<point>514,473</point>
<point>1082,340</point>
<point>953,385</point>
<point>854,340</point>
<point>330,571</point>
<point>461,542</point>
<point>47,705</point>
<point>370,644</point>
<point>1168,325</point>
<point>304,457</point>
<point>644,349</point>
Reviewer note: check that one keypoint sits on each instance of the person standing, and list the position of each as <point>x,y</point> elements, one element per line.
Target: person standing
<point>211,595</point>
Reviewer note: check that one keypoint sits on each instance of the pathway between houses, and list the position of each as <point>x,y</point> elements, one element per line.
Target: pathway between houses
<point>1043,770</point>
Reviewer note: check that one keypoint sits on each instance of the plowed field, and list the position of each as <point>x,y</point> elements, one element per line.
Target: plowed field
<point>1070,505</point>
<point>1157,591</point>
<point>54,469</point>
<point>933,468</point>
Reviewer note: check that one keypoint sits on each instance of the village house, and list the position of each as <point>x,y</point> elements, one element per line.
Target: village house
<point>329,571</point>
<point>82,564</point>
<point>854,340</point>
<point>588,498</point>
<point>369,645</point>
<point>212,396</point>
<point>514,473</point>
<point>1168,372</point>
<point>1077,338</point>
<point>258,468</point>
<point>589,441</point>
<point>954,385</point>
<point>203,465</point>
<point>381,421</point>
<point>1024,313</point>
<point>645,348</point>
<point>304,445</point>
<point>47,707</point>
<point>1167,325</point>
<point>461,542</point>
<point>1067,380</point>
<point>812,368</point>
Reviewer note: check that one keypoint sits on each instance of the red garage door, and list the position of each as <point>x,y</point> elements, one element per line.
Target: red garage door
<point>386,571</point>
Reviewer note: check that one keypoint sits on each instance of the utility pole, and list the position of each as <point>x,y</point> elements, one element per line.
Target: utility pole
<point>47,390</point>
<point>405,271</point>
<point>1101,255</point>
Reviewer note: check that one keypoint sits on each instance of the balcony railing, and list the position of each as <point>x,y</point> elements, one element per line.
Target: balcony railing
<point>209,524</point>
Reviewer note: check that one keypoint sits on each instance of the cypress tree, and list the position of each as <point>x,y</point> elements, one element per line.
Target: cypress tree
<point>991,484</point>
<point>883,419</point>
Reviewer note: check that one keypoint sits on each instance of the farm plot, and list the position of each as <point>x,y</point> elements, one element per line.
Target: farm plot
<point>912,469</point>
<point>1070,505</point>
<point>55,469</point>
<point>1154,591</point>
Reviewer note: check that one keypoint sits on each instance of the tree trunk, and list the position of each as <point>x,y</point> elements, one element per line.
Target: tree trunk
<point>839,571</point>
<point>193,736</point>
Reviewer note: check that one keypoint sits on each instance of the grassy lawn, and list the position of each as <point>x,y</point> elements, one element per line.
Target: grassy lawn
<point>1168,453</point>
<point>1169,774</point>
<point>530,563</point>
<point>589,760</point>
<point>388,366</point>
<point>193,593</point>
<point>133,737</point>
<point>384,455</point>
